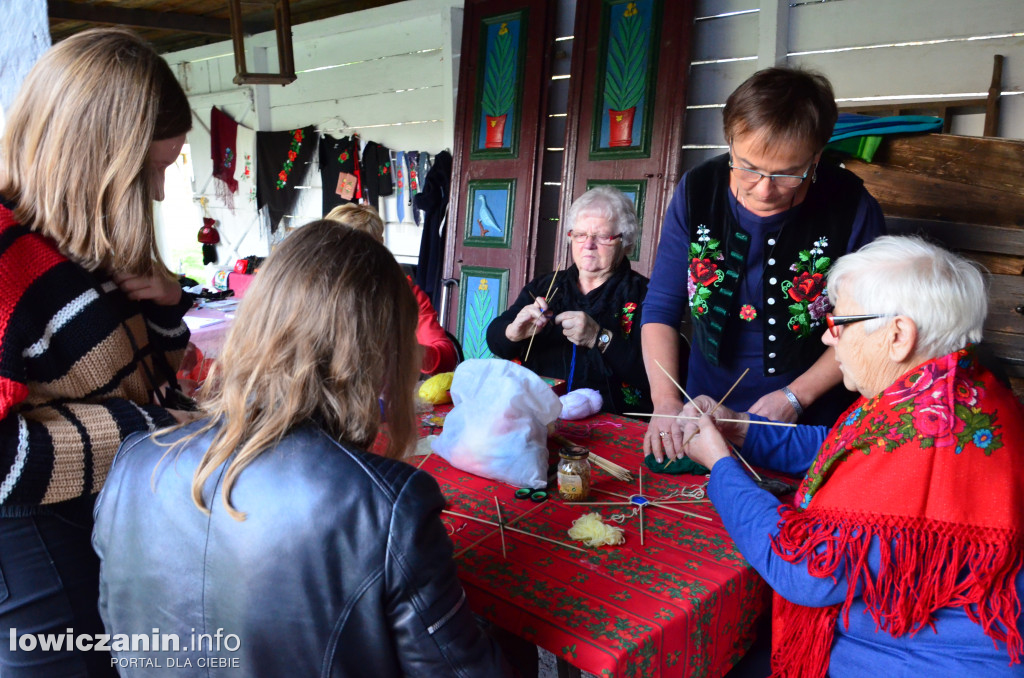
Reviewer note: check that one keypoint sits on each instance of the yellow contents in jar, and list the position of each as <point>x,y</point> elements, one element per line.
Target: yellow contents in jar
<point>574,473</point>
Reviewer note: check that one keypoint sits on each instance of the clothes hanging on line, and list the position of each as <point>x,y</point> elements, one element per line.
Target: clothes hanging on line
<point>339,170</point>
<point>283,160</point>
<point>224,154</point>
<point>376,170</point>
<point>433,201</point>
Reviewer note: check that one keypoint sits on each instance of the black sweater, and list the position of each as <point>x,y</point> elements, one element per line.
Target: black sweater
<point>618,373</point>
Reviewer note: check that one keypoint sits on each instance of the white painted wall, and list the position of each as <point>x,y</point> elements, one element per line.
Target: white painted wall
<point>391,74</point>
<point>19,49</point>
<point>387,73</point>
<point>884,50</point>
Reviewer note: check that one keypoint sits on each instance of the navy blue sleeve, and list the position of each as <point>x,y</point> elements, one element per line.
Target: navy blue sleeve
<point>868,223</point>
<point>667,297</point>
<point>751,515</point>
<point>783,448</point>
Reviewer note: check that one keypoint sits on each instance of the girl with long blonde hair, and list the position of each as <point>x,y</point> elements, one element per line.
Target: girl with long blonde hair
<point>322,558</point>
<point>90,320</point>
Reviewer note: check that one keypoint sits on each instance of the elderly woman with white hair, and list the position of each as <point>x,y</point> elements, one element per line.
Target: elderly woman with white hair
<point>902,554</point>
<point>583,329</point>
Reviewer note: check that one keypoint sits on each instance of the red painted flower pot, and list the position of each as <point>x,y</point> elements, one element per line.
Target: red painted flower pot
<point>620,129</point>
<point>495,131</point>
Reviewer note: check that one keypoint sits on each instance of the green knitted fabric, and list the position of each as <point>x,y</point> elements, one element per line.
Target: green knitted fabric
<point>683,465</point>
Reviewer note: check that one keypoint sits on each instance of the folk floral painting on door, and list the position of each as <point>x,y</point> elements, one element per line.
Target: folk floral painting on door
<point>483,292</point>
<point>499,86</point>
<point>624,96</point>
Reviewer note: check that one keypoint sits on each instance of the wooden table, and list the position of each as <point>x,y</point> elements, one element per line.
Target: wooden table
<point>684,603</point>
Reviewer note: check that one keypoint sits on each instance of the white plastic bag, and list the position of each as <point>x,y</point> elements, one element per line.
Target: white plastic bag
<point>498,428</point>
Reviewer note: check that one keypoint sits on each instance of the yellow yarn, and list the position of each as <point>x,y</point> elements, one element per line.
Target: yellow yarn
<point>593,531</point>
<point>435,389</point>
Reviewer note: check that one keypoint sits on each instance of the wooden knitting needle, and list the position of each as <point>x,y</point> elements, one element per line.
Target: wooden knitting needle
<point>501,527</point>
<point>512,529</point>
<point>491,533</point>
<point>731,389</point>
<point>755,422</point>
<point>641,506</point>
<point>685,513</point>
<point>720,401</point>
<point>731,446</point>
<point>546,300</point>
<point>681,389</point>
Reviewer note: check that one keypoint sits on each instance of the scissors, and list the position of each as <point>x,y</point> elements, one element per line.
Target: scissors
<point>536,496</point>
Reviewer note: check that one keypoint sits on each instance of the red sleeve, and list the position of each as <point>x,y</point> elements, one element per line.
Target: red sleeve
<point>438,351</point>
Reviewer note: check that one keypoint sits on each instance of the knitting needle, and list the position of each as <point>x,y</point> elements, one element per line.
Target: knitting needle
<point>512,529</point>
<point>733,448</point>
<point>755,422</point>
<point>641,506</point>
<point>546,299</point>
<point>681,389</point>
<point>685,513</point>
<point>501,527</point>
<point>731,389</point>
<point>491,533</point>
<point>659,504</point>
<point>720,401</point>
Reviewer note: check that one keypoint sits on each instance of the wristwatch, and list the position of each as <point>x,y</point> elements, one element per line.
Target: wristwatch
<point>604,337</point>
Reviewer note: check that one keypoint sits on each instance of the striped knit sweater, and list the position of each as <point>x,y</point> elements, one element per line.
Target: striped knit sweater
<point>72,385</point>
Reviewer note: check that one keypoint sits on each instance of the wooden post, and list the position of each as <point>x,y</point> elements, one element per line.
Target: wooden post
<point>994,91</point>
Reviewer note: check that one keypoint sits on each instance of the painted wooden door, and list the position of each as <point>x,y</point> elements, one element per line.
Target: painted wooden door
<point>627,107</point>
<point>502,95</point>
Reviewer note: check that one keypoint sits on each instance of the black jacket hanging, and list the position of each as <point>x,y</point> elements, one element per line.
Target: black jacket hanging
<point>433,200</point>
<point>376,172</point>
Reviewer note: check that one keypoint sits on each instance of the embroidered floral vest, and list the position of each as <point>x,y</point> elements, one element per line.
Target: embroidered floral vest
<point>794,299</point>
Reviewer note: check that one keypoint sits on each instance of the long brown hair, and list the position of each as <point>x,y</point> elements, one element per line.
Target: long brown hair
<point>75,145</point>
<point>327,328</point>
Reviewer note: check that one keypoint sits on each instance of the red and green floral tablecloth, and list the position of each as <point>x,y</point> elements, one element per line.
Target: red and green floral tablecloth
<point>683,604</point>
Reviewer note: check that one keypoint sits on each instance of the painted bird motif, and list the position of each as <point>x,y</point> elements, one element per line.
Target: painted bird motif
<point>485,218</point>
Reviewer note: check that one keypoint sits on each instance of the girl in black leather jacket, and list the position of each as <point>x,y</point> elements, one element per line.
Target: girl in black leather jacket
<point>265,530</point>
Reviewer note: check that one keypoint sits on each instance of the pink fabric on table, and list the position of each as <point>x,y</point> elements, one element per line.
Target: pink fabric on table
<point>239,282</point>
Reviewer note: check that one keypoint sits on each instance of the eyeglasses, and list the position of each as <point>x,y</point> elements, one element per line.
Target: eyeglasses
<point>750,178</point>
<point>581,237</point>
<point>834,321</point>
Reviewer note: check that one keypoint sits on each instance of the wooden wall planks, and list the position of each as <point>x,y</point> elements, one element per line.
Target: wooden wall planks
<point>928,55</point>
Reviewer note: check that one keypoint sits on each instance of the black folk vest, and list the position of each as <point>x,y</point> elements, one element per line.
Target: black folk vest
<point>794,297</point>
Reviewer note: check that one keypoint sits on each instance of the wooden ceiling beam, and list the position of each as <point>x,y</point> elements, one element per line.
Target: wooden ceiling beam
<point>184,23</point>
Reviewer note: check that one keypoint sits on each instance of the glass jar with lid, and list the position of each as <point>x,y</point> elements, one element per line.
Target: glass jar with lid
<point>574,473</point>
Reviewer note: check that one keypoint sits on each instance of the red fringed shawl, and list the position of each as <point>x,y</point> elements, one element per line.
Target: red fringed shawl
<point>932,468</point>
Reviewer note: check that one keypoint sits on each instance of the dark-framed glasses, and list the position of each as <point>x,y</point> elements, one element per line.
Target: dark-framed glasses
<point>835,321</point>
<point>751,178</point>
<point>581,237</point>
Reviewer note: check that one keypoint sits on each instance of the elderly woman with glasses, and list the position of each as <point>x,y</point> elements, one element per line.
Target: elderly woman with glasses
<point>902,554</point>
<point>582,330</point>
<point>756,229</point>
